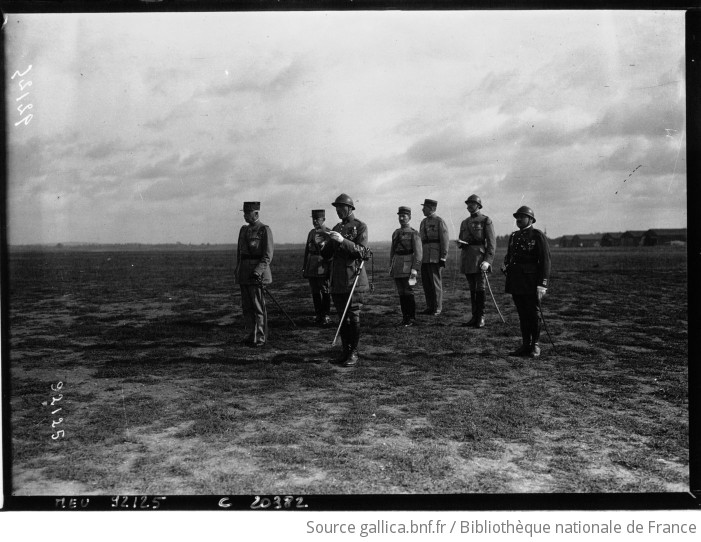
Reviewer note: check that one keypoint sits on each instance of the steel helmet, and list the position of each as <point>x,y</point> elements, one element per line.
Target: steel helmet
<point>474,198</point>
<point>344,199</point>
<point>525,211</point>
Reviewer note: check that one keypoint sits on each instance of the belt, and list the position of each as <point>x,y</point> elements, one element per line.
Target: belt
<point>249,257</point>
<point>476,243</point>
<point>402,253</point>
<point>430,242</point>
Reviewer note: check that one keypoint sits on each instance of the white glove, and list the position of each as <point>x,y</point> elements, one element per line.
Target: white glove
<point>336,236</point>
<point>414,272</point>
<point>541,292</point>
<point>484,266</point>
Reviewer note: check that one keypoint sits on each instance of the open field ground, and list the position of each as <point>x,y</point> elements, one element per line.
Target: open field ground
<point>157,396</point>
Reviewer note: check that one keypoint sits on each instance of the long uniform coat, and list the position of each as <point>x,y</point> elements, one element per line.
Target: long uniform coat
<point>478,231</point>
<point>254,253</point>
<point>434,236</point>
<point>315,265</point>
<point>405,253</point>
<point>527,262</point>
<point>347,256</point>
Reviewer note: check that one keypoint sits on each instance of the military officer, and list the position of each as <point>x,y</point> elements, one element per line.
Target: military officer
<point>478,243</point>
<point>254,252</point>
<point>527,269</point>
<point>347,244</point>
<point>317,269</point>
<point>434,238</point>
<point>405,260</point>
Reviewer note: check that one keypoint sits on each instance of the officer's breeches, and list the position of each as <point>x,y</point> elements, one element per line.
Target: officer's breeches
<point>432,282</point>
<point>254,313</point>
<point>403,286</point>
<point>320,295</point>
<point>476,282</point>
<point>353,313</point>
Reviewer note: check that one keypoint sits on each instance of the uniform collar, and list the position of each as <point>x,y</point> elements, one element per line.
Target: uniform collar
<point>348,218</point>
<point>476,214</point>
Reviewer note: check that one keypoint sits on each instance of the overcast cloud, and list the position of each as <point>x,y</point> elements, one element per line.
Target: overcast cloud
<point>154,128</point>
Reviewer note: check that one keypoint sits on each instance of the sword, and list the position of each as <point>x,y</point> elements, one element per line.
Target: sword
<point>491,294</point>
<point>350,297</point>
<point>278,305</point>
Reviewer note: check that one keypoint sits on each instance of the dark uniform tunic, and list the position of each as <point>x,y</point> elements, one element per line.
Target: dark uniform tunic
<point>434,236</point>
<point>347,257</point>
<point>405,254</point>
<point>254,253</point>
<point>477,231</point>
<point>317,270</point>
<point>527,264</point>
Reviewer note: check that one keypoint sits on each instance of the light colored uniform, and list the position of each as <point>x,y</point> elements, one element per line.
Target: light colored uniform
<point>254,253</point>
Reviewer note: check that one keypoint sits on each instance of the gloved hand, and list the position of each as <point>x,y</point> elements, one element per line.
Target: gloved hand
<point>414,272</point>
<point>441,263</point>
<point>503,269</point>
<point>484,266</point>
<point>336,236</point>
<point>258,279</point>
<point>541,292</point>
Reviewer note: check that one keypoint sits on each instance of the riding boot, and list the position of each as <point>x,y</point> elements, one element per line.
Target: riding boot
<point>353,339</point>
<point>339,360</point>
<point>480,296</point>
<point>411,309</point>
<point>473,307</point>
<point>402,304</point>
<point>325,304</point>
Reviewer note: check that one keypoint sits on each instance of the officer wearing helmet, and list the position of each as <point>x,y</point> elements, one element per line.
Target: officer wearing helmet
<point>527,269</point>
<point>347,243</point>
<point>254,252</point>
<point>478,244</point>
<point>405,256</point>
<point>434,238</point>
<point>317,269</point>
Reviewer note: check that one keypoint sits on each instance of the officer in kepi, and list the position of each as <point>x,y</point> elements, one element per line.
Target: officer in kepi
<point>405,260</point>
<point>347,245</point>
<point>434,238</point>
<point>478,244</point>
<point>527,269</point>
<point>254,252</point>
<point>317,269</point>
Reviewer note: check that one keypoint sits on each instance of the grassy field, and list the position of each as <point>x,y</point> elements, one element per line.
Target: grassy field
<point>157,396</point>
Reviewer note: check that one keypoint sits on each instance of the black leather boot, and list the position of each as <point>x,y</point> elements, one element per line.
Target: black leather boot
<point>473,307</point>
<point>353,339</point>
<point>480,297</point>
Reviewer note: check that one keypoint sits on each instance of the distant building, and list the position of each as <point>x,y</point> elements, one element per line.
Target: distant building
<point>656,237</point>
<point>632,238</point>
<point>611,239</point>
<point>586,240</point>
<point>563,241</point>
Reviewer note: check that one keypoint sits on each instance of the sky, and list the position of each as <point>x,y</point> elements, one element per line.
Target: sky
<point>156,127</point>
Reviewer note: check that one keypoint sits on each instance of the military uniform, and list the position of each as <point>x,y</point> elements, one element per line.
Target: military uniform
<point>347,257</point>
<point>478,246</point>
<point>434,238</point>
<point>527,267</point>
<point>254,253</point>
<point>405,256</point>
<point>317,270</point>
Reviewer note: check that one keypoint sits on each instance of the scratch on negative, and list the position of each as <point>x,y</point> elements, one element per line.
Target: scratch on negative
<point>124,407</point>
<point>674,171</point>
